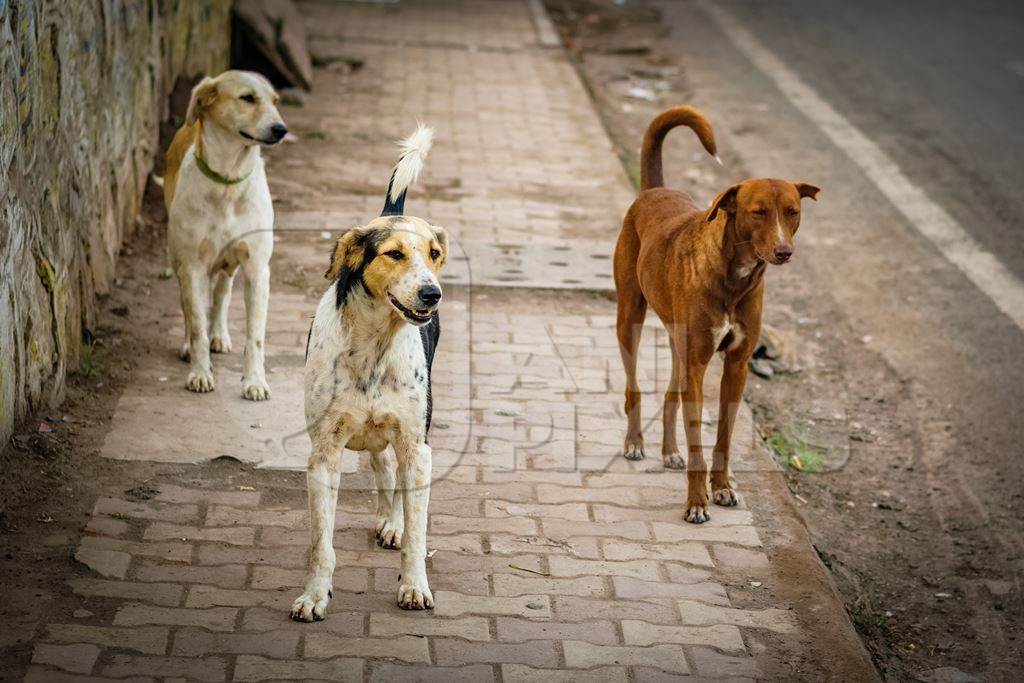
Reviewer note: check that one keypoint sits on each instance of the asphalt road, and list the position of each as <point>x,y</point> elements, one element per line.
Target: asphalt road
<point>938,84</point>
<point>901,341</point>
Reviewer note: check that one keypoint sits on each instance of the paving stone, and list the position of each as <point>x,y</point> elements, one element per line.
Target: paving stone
<point>777,620</point>
<point>553,493</point>
<point>587,586</point>
<point>163,512</point>
<point>40,674</point>
<point>501,508</point>
<point>520,673</point>
<point>225,576</point>
<point>470,583</point>
<point>168,594</point>
<point>704,591</point>
<point>665,532</point>
<point>193,642</point>
<point>585,547</point>
<point>451,651</point>
<point>175,552</point>
<point>444,562</point>
<point>708,662</point>
<point>107,526</point>
<point>722,636</point>
<point>407,648</point>
<point>212,618</point>
<point>208,553</point>
<point>692,553</point>
<point>109,563</point>
<point>238,535</point>
<point>584,655</point>
<point>252,668</point>
<point>447,524</point>
<point>386,672</point>
<point>213,596</point>
<point>337,621</point>
<point>447,604</point>
<point>150,640</point>
<point>427,624</point>
<point>226,515</point>
<point>212,669</point>
<point>511,629</point>
<point>562,528</point>
<point>570,608</point>
<point>178,494</point>
<point>273,578</point>
<point>78,658</point>
<point>561,565</point>
<point>732,558</point>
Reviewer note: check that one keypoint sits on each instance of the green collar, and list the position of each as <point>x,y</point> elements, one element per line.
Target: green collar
<point>217,177</point>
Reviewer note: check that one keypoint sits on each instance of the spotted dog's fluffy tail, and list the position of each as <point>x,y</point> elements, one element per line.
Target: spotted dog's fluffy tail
<point>410,163</point>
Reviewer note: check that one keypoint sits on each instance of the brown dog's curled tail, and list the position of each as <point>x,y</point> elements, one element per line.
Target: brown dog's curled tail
<point>650,153</point>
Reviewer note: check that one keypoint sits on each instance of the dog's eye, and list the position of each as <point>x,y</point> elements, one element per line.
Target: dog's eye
<point>435,254</point>
<point>791,211</point>
<point>760,213</point>
<point>394,254</point>
<point>251,99</point>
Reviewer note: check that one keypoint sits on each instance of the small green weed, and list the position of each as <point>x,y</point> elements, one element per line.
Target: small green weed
<point>793,451</point>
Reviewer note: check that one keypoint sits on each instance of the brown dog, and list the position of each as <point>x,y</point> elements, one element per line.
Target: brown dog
<point>703,274</point>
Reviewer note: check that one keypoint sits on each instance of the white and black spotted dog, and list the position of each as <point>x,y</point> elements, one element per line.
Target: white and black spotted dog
<point>367,382</point>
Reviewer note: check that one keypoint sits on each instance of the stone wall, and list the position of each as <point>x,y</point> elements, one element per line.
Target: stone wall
<point>83,86</point>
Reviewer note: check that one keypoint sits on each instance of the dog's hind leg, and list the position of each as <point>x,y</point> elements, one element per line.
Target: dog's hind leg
<point>390,515</point>
<point>195,298</point>
<point>257,294</point>
<point>670,410</point>
<point>632,309</point>
<point>323,476</point>
<point>220,338</point>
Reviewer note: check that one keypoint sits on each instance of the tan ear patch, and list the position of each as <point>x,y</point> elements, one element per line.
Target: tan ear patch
<point>347,250</point>
<point>203,96</point>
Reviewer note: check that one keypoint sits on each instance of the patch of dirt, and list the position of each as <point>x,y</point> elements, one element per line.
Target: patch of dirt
<point>847,429</point>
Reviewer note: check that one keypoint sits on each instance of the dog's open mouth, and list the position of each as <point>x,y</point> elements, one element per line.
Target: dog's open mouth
<point>417,317</point>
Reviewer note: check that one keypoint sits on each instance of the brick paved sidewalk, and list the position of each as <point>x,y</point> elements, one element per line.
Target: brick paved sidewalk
<point>549,551</point>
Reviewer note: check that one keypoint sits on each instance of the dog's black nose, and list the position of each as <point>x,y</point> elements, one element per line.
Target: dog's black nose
<point>278,131</point>
<point>430,294</point>
<point>783,252</point>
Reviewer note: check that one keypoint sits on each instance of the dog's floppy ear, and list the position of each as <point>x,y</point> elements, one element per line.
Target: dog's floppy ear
<point>345,252</point>
<point>203,96</point>
<point>725,201</point>
<point>441,235</point>
<point>807,190</point>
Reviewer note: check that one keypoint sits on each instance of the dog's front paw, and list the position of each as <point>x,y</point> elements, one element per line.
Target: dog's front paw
<point>312,605</point>
<point>255,389</point>
<point>673,461</point>
<point>697,513</point>
<point>634,451</point>
<point>200,381</point>
<point>220,342</point>
<point>389,533</point>
<point>415,595</point>
<point>725,497</point>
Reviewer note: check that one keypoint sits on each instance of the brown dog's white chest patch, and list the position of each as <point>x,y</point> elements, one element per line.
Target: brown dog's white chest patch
<point>728,335</point>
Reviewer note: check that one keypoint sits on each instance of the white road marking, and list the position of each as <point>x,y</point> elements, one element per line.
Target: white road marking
<point>980,266</point>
